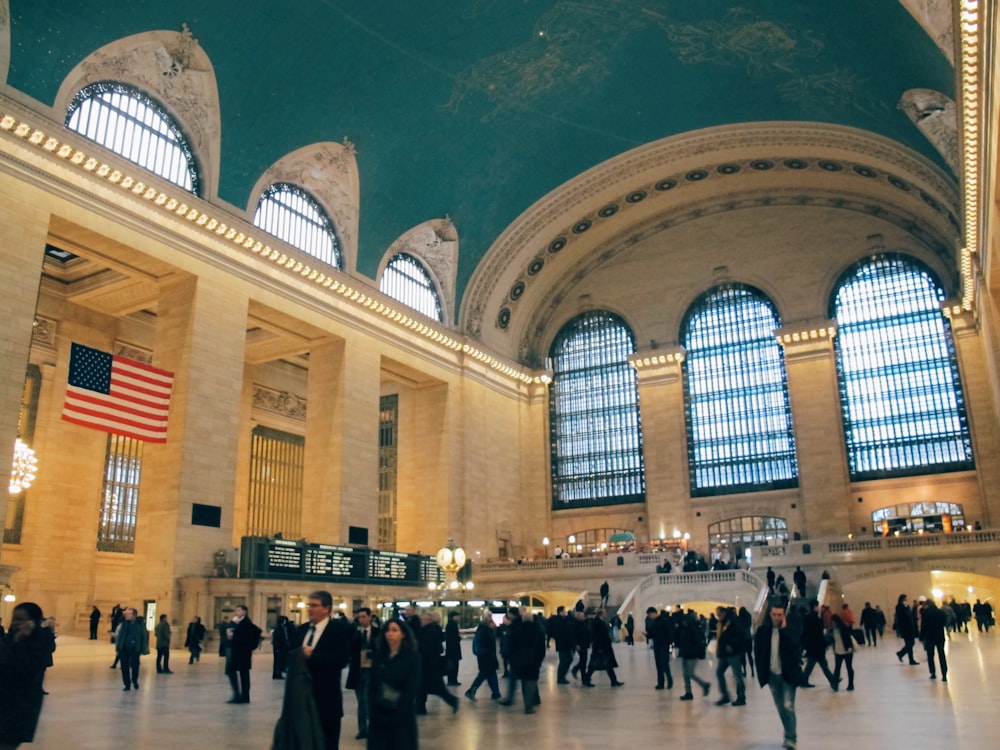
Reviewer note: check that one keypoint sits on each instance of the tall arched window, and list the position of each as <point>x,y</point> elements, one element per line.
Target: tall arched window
<point>406,280</point>
<point>900,392</point>
<point>292,215</point>
<point>594,428</point>
<point>739,420</point>
<point>130,123</point>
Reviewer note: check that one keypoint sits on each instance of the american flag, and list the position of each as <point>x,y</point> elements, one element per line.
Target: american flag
<point>117,395</point>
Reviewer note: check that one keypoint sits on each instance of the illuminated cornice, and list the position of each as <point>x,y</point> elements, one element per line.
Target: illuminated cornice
<point>215,226</point>
<point>970,83</point>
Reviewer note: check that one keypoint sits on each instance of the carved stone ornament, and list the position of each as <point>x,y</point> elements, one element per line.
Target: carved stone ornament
<point>280,402</point>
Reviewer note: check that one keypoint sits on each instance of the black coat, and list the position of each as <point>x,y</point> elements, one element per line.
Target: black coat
<point>245,640</point>
<point>527,649</point>
<point>485,647</point>
<point>452,641</point>
<point>22,667</point>
<point>393,723</point>
<point>813,636</point>
<point>788,654</point>
<point>358,645</point>
<point>661,630</point>
<point>330,655</point>
<point>600,636</point>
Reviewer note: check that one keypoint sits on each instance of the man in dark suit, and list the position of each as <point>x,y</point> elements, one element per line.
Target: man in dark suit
<point>359,673</point>
<point>326,646</point>
<point>244,638</point>
<point>777,652</point>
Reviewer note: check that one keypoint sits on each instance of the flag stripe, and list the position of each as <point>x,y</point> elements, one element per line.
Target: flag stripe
<point>117,395</point>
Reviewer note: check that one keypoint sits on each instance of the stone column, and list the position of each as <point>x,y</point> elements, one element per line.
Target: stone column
<point>340,486</point>
<point>974,366</point>
<point>664,440</point>
<point>824,482</point>
<point>200,337</point>
<point>23,231</point>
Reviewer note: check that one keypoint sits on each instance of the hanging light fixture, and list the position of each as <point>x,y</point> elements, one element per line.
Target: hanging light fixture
<point>23,468</point>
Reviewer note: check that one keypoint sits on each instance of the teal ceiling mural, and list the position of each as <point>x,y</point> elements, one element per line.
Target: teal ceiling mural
<point>477,108</point>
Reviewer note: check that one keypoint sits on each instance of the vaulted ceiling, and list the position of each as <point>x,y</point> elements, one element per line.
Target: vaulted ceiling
<point>476,109</point>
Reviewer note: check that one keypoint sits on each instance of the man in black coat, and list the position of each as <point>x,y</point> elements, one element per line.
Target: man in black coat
<point>582,639</point>
<point>661,633</point>
<point>561,631</point>
<point>360,672</point>
<point>326,645</point>
<point>776,652</point>
<point>932,633</point>
<point>243,638</point>
<point>814,644</point>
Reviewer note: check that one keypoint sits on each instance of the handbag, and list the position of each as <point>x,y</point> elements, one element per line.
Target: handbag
<point>859,636</point>
<point>388,697</point>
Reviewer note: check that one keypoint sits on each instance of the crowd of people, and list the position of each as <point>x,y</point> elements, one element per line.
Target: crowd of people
<point>393,668</point>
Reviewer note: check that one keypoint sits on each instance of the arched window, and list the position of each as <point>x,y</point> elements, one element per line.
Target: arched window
<point>292,215</point>
<point>407,281</point>
<point>127,121</point>
<point>739,420</point>
<point>594,415</point>
<point>900,393</point>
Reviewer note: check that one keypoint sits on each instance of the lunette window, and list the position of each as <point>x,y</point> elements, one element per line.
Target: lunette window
<point>292,215</point>
<point>130,123</point>
<point>406,280</point>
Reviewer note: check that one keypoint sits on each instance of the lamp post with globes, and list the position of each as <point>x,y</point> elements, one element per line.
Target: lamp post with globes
<point>451,559</point>
<point>545,544</point>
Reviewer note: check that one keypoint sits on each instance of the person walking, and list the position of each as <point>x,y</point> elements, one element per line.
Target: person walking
<point>280,646</point>
<point>906,627</point>
<point>131,642</point>
<point>395,681</point>
<point>730,648</point>
<point>23,653</point>
<point>661,634</point>
<point>776,652</point>
<point>602,655</point>
<point>162,634</point>
<point>325,643</point>
<point>843,649</point>
<point>814,644</point>
<point>452,649</point>
<point>195,637</point>
<point>869,623</point>
<point>561,631</point>
<point>430,639</point>
<point>932,633</point>
<point>527,651</point>
<point>484,648</point>
<point>582,637</point>
<point>360,670</point>
<point>691,649</point>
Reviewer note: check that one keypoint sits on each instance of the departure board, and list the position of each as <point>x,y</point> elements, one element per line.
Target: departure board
<point>264,557</point>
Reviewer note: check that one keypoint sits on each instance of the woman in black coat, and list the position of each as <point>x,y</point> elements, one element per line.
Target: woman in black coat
<point>394,684</point>
<point>602,655</point>
<point>23,655</point>
<point>906,627</point>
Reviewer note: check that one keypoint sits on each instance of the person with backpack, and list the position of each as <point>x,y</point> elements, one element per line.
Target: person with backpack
<point>484,648</point>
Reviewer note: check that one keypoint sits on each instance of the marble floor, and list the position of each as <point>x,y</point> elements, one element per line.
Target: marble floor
<point>86,708</point>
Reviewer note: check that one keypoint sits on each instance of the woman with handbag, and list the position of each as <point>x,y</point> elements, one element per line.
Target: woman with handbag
<point>395,681</point>
<point>602,655</point>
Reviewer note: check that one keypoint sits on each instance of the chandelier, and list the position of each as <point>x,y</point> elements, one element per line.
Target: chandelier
<point>23,468</point>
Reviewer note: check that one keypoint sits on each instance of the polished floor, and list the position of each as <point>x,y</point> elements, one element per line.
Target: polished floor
<point>894,703</point>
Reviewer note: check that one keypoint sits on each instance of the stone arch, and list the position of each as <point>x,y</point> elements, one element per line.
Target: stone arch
<point>172,68</point>
<point>435,244</point>
<point>329,173</point>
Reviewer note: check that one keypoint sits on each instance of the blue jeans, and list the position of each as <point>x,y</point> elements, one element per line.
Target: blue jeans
<point>736,664</point>
<point>783,694</point>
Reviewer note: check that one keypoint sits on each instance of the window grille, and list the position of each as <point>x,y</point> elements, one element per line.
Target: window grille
<point>407,281</point>
<point>739,418</point>
<point>130,123</point>
<point>594,426</point>
<point>120,494</point>
<point>292,215</point>
<point>733,538</point>
<point>276,466</point>
<point>388,452</point>
<point>900,391</point>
